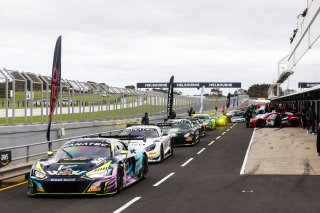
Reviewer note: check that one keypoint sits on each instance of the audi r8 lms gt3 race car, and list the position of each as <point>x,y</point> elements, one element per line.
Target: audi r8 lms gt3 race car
<point>97,166</point>
<point>210,123</point>
<point>270,119</point>
<point>149,137</point>
<point>182,132</point>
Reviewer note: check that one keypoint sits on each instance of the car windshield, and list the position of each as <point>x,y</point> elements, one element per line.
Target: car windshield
<point>202,117</point>
<point>140,133</point>
<point>85,152</point>
<point>181,125</point>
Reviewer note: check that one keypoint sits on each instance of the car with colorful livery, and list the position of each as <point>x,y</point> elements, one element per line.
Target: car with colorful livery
<point>206,120</point>
<point>220,118</point>
<point>98,166</point>
<point>182,131</point>
<point>275,119</point>
<point>151,138</point>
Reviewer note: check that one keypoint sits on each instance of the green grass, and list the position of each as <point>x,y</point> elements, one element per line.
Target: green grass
<point>89,116</point>
<point>78,98</point>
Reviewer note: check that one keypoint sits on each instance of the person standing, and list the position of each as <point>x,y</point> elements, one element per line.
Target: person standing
<point>145,119</point>
<point>248,116</point>
<point>318,139</point>
<point>303,118</point>
<point>191,111</point>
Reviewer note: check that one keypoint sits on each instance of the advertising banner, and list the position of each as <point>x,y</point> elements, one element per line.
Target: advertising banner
<point>55,82</point>
<point>5,158</point>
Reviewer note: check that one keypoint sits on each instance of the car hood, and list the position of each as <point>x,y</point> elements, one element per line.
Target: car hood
<point>72,167</point>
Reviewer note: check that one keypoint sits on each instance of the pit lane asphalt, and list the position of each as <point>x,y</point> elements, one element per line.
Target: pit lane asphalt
<point>211,182</point>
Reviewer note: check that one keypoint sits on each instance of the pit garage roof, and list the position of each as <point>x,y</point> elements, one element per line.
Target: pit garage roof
<point>312,93</point>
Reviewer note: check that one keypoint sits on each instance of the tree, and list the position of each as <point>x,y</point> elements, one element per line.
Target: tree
<point>216,92</point>
<point>259,90</point>
<point>130,87</point>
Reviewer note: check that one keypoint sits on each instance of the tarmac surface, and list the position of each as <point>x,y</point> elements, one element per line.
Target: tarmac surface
<point>206,178</point>
<point>283,151</point>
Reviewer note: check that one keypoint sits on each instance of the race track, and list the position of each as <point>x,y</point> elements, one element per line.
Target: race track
<point>203,178</point>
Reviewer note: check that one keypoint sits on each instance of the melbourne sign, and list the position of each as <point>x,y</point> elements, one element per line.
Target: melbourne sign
<point>307,84</point>
<point>191,85</point>
<point>5,158</point>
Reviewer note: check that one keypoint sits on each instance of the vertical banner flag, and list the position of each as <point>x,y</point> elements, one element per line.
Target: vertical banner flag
<point>201,99</point>
<point>228,100</point>
<point>170,98</point>
<point>55,83</point>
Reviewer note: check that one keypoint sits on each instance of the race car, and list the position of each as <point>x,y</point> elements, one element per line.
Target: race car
<point>237,119</point>
<point>207,120</point>
<point>270,119</point>
<point>149,137</point>
<point>199,125</point>
<point>220,118</point>
<point>98,166</point>
<point>182,131</point>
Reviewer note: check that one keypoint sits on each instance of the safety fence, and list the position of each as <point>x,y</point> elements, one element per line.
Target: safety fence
<point>24,99</point>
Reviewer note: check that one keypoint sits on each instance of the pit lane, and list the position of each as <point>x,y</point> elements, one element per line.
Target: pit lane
<point>210,182</point>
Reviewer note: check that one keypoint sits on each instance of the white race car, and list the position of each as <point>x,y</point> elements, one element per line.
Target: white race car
<point>157,145</point>
<point>238,119</point>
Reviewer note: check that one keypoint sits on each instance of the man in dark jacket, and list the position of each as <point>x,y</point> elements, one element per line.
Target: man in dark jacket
<point>145,119</point>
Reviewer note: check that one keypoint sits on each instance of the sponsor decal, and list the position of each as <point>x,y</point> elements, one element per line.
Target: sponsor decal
<point>87,144</point>
<point>98,161</point>
<point>5,158</point>
<point>152,153</point>
<point>63,170</point>
<point>63,179</point>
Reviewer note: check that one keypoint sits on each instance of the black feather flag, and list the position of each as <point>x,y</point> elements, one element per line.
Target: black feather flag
<point>55,83</point>
<point>170,98</point>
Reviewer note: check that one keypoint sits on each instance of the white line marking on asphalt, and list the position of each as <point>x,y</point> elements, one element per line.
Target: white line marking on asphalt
<point>223,133</point>
<point>247,154</point>
<point>218,137</point>
<point>210,143</point>
<point>201,151</point>
<point>244,191</point>
<point>228,129</point>
<point>164,179</point>
<point>234,124</point>
<point>127,205</point>
<point>188,161</point>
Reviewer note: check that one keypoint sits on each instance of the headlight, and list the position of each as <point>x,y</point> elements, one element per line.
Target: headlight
<point>150,147</point>
<point>187,135</point>
<point>97,175</point>
<point>39,174</point>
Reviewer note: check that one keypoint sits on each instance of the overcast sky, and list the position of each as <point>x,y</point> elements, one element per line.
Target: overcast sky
<point>123,42</point>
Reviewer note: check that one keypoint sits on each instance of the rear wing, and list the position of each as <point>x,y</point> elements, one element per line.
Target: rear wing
<point>161,125</point>
<point>122,137</point>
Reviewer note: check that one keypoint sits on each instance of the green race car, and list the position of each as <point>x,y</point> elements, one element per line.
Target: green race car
<point>220,118</point>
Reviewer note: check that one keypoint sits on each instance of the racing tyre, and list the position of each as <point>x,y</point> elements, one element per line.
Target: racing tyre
<point>260,124</point>
<point>120,175</point>
<point>204,132</point>
<point>161,155</point>
<point>171,147</point>
<point>145,167</point>
<point>293,123</point>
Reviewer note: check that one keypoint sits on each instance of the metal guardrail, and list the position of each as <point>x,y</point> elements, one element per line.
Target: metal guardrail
<point>23,168</point>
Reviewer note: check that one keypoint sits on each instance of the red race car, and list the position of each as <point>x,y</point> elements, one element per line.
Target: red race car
<point>275,119</point>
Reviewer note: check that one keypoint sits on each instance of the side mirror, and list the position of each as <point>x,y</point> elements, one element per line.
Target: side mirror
<point>49,154</point>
